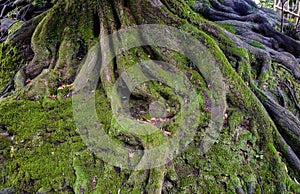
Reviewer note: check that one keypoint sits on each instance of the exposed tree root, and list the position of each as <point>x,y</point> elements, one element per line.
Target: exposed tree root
<point>258,25</point>
<point>253,47</point>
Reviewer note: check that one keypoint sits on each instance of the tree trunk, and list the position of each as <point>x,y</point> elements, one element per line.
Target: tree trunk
<point>204,101</point>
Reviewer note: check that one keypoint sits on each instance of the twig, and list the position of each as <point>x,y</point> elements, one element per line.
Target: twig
<point>260,185</point>
<point>293,96</point>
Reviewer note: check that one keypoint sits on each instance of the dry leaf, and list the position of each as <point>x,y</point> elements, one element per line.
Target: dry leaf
<point>168,133</point>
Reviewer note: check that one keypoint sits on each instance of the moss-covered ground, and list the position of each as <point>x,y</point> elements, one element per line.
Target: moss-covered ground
<point>42,152</point>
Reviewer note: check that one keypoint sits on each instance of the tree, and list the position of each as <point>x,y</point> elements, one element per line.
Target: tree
<point>256,151</point>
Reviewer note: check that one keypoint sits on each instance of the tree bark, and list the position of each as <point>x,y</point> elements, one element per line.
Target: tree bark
<point>255,151</point>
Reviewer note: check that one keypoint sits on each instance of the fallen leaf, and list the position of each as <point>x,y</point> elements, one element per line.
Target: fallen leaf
<point>94,181</point>
<point>225,117</point>
<point>131,154</point>
<point>167,133</point>
<point>52,97</point>
<point>69,85</point>
<point>285,167</point>
<point>61,87</point>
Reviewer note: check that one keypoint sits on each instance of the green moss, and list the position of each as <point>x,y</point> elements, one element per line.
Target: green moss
<point>10,61</point>
<point>85,26</point>
<point>15,27</point>
<point>258,45</point>
<point>47,155</point>
<point>239,90</point>
<point>46,152</point>
<point>235,119</point>
<point>228,27</point>
<point>279,74</point>
<point>38,2</point>
<point>227,166</point>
